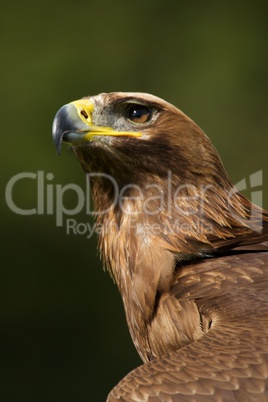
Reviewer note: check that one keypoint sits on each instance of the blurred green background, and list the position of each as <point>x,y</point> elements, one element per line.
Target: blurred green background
<point>63,332</point>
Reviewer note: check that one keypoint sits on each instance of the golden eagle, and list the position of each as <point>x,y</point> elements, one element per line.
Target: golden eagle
<point>188,252</point>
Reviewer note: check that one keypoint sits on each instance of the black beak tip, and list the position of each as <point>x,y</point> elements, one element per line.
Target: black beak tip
<point>57,142</point>
<point>59,127</point>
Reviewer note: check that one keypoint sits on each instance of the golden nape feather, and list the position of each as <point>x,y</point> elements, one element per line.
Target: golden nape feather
<point>188,252</point>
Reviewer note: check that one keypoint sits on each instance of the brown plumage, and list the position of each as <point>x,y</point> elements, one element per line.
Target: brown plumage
<point>188,252</point>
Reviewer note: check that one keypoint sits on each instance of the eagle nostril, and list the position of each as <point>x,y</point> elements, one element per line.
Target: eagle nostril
<point>84,113</point>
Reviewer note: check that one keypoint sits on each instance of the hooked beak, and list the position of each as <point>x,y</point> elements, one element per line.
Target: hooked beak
<point>73,124</point>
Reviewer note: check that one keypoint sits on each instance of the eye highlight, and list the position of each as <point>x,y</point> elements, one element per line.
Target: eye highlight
<point>139,114</point>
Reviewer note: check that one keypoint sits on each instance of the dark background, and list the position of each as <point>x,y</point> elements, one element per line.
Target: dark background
<point>63,333</point>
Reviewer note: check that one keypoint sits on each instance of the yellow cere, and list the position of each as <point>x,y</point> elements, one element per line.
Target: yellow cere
<point>84,108</point>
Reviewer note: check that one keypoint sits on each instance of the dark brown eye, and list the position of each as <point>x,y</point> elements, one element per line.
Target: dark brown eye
<point>139,114</point>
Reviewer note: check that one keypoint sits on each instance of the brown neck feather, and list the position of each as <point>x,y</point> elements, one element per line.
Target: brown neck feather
<point>143,236</point>
<point>161,209</point>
